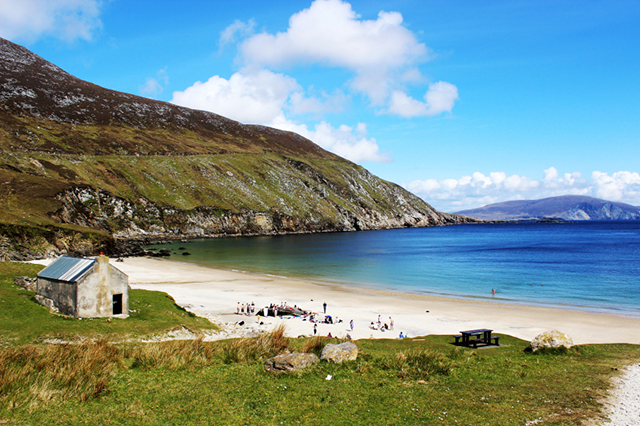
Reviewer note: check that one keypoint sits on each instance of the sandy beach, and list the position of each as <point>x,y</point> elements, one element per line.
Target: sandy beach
<point>214,293</point>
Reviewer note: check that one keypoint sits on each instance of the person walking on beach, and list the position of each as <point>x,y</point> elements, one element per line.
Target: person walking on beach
<point>351,324</point>
<point>315,329</point>
<point>390,323</point>
<point>324,305</point>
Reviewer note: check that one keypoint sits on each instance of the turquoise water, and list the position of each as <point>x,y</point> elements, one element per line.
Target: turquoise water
<point>589,265</point>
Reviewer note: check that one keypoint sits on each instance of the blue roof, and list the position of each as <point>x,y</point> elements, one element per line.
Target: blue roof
<point>67,268</point>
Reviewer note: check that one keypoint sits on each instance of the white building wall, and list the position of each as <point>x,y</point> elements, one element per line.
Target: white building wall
<point>96,290</point>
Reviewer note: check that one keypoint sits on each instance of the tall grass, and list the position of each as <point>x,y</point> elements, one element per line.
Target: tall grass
<point>42,373</point>
<point>173,355</point>
<point>257,348</point>
<point>315,344</point>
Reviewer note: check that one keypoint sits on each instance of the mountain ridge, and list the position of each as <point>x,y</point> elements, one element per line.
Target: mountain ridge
<point>567,207</point>
<point>78,161</point>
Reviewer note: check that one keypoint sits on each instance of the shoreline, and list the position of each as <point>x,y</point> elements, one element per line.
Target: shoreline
<point>214,293</point>
<point>354,287</point>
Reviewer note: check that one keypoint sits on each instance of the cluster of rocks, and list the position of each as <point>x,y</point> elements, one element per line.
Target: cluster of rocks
<point>333,353</point>
<point>27,283</point>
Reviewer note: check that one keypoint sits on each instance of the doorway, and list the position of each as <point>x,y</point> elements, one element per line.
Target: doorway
<point>117,304</point>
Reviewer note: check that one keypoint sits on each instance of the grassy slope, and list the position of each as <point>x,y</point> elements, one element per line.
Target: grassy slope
<point>229,182</point>
<point>199,383</point>
<point>23,320</point>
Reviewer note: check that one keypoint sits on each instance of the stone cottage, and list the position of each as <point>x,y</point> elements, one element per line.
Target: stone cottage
<point>84,288</point>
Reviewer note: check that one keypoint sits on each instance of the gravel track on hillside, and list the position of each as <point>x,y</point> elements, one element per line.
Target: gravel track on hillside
<point>623,402</point>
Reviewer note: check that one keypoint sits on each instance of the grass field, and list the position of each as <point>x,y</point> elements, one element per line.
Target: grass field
<point>410,381</point>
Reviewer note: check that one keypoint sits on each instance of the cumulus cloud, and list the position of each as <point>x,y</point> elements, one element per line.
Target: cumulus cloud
<point>439,98</point>
<point>346,141</point>
<point>154,86</point>
<point>253,98</point>
<point>478,189</point>
<point>64,19</point>
<point>264,97</point>
<point>381,53</point>
<point>381,56</point>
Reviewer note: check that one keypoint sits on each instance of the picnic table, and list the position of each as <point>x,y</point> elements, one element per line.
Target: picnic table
<point>475,337</point>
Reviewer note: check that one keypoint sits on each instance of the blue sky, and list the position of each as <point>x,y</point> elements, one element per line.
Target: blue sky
<point>463,103</point>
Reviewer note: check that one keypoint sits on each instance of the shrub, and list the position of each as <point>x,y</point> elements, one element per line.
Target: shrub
<point>419,364</point>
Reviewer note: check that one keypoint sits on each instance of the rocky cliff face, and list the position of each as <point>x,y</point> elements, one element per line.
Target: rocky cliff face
<point>122,218</point>
<point>78,158</point>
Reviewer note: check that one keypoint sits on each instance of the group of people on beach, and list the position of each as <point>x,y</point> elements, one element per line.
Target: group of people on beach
<point>378,325</point>
<point>245,308</point>
<point>313,317</point>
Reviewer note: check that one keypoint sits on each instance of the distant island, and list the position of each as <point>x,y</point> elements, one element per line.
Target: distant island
<point>566,207</point>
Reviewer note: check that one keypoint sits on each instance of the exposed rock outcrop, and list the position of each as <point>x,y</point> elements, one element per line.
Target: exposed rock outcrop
<point>27,283</point>
<point>286,363</point>
<point>346,351</point>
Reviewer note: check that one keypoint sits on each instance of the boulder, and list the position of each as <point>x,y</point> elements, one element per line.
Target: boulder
<point>346,351</point>
<point>30,284</point>
<point>551,339</point>
<point>290,362</point>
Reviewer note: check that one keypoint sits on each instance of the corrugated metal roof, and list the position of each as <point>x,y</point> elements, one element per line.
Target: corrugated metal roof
<point>67,268</point>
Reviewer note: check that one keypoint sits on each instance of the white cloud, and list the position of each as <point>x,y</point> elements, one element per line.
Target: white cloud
<point>253,98</point>
<point>237,29</point>
<point>153,87</point>
<point>619,186</point>
<point>64,19</point>
<point>478,189</point>
<point>382,52</point>
<point>440,98</point>
<point>263,97</point>
<point>348,142</point>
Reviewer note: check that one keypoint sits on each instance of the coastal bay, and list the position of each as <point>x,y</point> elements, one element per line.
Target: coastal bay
<point>214,293</point>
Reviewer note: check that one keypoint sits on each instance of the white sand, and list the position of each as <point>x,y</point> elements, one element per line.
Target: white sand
<point>215,292</point>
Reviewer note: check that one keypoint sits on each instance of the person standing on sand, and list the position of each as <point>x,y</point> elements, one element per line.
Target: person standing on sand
<point>324,305</point>
<point>315,329</point>
<point>351,324</point>
<point>390,323</point>
<point>238,309</point>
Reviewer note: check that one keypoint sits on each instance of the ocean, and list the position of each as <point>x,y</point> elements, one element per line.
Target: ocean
<point>582,265</point>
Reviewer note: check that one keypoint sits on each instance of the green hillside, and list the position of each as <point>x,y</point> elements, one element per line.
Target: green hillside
<point>81,165</point>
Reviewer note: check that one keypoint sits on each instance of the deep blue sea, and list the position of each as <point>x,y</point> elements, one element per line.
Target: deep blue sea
<point>585,265</point>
